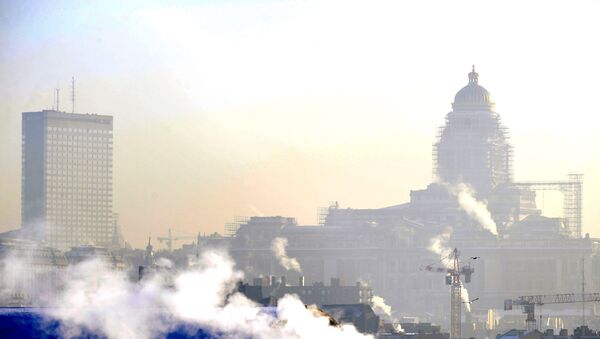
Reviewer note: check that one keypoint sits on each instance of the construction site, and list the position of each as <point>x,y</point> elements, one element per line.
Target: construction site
<point>473,209</point>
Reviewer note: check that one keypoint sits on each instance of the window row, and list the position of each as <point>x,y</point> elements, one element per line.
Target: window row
<point>80,130</point>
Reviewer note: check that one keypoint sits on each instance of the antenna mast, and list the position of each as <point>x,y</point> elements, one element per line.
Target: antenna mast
<point>72,94</point>
<point>583,291</point>
<point>57,99</point>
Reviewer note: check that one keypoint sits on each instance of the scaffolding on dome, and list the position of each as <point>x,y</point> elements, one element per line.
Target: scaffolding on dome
<point>499,152</point>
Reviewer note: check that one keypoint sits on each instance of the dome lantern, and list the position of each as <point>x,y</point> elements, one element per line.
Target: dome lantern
<point>473,96</point>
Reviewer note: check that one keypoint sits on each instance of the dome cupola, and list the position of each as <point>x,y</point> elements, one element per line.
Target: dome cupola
<point>473,96</point>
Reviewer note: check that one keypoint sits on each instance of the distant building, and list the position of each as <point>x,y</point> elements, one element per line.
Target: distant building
<point>80,254</point>
<point>359,315</point>
<point>473,145</point>
<point>30,273</point>
<point>389,247</point>
<point>67,178</point>
<point>267,291</point>
<point>581,332</point>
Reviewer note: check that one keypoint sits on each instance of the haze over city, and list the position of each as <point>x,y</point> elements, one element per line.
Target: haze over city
<point>299,169</point>
<point>277,108</point>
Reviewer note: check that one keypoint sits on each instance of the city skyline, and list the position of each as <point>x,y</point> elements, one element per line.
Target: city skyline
<point>286,144</point>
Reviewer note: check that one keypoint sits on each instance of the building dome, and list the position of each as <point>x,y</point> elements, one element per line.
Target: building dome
<point>473,95</point>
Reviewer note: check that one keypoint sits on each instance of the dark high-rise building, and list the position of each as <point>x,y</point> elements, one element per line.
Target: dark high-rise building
<point>66,193</point>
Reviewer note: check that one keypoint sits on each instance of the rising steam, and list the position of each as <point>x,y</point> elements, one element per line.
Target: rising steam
<point>476,209</point>
<point>278,247</point>
<point>103,300</point>
<point>439,246</point>
<point>379,306</point>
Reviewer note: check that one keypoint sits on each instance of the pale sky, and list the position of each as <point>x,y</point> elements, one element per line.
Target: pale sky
<point>225,108</point>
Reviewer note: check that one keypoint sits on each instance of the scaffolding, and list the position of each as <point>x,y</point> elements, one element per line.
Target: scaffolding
<point>457,155</point>
<point>572,191</point>
<point>323,212</point>
<point>231,228</point>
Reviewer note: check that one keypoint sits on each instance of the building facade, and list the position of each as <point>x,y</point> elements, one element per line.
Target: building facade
<point>66,197</point>
<point>473,144</point>
<point>30,273</point>
<point>390,248</point>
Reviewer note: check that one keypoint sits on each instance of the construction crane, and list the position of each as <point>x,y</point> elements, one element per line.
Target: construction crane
<point>170,240</point>
<point>453,272</point>
<point>528,303</point>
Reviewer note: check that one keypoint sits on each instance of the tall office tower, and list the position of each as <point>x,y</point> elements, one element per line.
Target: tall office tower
<point>473,145</point>
<point>66,179</point>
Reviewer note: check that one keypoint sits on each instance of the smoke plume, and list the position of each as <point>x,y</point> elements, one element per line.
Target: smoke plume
<point>278,247</point>
<point>464,296</point>
<point>379,306</point>
<point>476,209</point>
<point>439,246</point>
<point>99,299</point>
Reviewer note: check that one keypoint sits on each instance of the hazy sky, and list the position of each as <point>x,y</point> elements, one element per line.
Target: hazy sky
<point>225,108</point>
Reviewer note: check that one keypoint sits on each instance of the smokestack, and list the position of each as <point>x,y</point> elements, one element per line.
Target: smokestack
<point>301,281</point>
<point>140,272</point>
<point>273,280</point>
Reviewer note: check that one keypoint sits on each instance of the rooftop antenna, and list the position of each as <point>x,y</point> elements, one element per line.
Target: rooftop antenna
<point>583,291</point>
<point>72,94</point>
<point>58,99</point>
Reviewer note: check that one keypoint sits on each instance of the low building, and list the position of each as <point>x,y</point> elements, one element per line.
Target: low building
<point>360,315</point>
<point>30,272</point>
<point>82,253</point>
<point>267,291</point>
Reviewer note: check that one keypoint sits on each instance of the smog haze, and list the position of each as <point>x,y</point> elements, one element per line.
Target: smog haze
<point>250,108</point>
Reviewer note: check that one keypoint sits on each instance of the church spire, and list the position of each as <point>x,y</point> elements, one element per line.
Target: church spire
<point>149,257</point>
<point>473,76</point>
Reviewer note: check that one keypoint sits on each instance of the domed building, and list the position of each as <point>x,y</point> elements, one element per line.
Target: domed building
<point>473,96</point>
<point>522,253</point>
<point>473,145</point>
<point>472,150</point>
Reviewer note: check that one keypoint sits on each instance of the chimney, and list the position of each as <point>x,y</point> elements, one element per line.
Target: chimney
<point>140,272</point>
<point>273,280</point>
<point>301,281</point>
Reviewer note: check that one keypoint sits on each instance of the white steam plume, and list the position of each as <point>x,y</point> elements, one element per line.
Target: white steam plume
<point>379,306</point>
<point>464,296</point>
<point>100,299</point>
<point>476,209</point>
<point>278,247</point>
<point>438,245</point>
